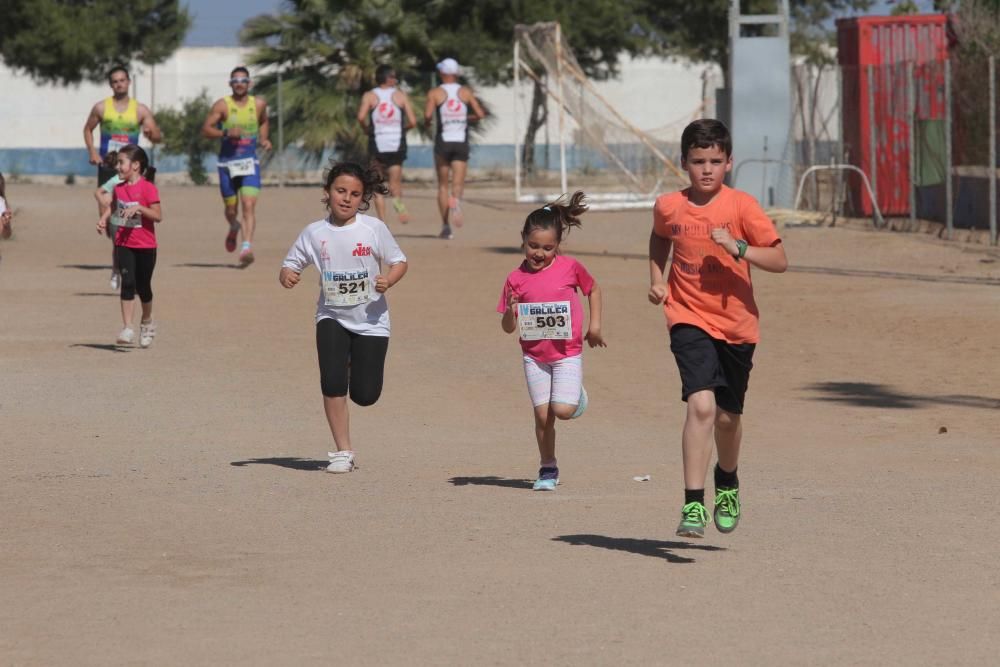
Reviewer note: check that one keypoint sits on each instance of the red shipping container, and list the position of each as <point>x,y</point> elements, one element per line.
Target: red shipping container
<point>886,45</point>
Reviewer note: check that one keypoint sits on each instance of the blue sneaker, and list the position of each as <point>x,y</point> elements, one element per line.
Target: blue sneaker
<point>547,480</point>
<point>582,405</point>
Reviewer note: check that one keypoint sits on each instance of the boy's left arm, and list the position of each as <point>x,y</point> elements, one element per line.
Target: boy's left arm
<point>594,336</point>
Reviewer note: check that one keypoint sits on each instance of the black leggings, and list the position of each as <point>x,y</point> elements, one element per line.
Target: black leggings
<point>136,266</point>
<point>350,360</point>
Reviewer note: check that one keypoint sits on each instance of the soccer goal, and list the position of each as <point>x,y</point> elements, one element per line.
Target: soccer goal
<point>599,149</point>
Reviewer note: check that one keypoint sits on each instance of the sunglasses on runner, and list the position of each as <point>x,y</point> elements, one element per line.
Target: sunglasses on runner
<point>242,79</point>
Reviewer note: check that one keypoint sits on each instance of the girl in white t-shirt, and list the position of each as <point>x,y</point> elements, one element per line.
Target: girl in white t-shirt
<point>352,316</point>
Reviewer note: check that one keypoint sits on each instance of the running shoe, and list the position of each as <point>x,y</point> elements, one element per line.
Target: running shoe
<point>115,282</point>
<point>446,232</point>
<point>455,212</point>
<point>727,509</point>
<point>582,405</point>
<point>147,331</point>
<point>694,518</point>
<point>234,232</point>
<point>341,462</point>
<point>246,255</point>
<point>548,479</point>
<point>400,207</point>
<point>126,336</point>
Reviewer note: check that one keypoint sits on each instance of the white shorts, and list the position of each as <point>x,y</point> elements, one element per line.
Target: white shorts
<point>557,382</point>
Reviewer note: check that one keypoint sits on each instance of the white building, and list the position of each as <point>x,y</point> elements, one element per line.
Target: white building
<point>41,125</point>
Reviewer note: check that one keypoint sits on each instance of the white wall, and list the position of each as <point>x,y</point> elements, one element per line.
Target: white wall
<point>47,116</point>
<point>660,95</point>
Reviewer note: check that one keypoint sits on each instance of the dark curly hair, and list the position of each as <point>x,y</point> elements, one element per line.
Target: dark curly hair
<point>371,179</point>
<point>557,215</point>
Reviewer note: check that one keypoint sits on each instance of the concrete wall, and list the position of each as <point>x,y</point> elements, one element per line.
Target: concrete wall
<point>41,125</point>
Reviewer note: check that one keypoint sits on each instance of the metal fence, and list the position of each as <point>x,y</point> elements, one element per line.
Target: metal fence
<point>925,135</point>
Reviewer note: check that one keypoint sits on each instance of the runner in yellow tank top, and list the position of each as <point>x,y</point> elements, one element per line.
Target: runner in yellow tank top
<point>240,122</point>
<point>121,118</point>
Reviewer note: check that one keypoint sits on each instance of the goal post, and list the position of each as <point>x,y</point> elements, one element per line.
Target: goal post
<point>599,150</point>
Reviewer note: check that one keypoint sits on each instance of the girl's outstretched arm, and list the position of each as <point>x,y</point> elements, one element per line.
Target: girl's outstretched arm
<point>594,336</point>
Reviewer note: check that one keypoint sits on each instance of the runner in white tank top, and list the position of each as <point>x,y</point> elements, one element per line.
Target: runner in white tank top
<point>452,117</point>
<point>387,122</point>
<point>386,114</point>
<point>455,107</point>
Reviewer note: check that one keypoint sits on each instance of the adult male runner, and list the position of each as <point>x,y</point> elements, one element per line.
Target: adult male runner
<point>451,103</point>
<point>240,121</point>
<point>386,114</point>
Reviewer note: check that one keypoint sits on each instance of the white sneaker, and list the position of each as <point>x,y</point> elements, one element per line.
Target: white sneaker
<point>146,334</point>
<point>115,282</point>
<point>126,336</point>
<point>341,461</point>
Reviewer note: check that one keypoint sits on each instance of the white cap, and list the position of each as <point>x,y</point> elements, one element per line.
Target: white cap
<point>448,66</point>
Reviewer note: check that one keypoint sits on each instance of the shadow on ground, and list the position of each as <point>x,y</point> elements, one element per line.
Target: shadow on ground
<point>870,395</point>
<point>654,548</point>
<point>290,462</point>
<point>895,275</point>
<point>113,294</point>
<point>490,480</point>
<point>822,270</point>
<point>87,267</point>
<point>107,347</point>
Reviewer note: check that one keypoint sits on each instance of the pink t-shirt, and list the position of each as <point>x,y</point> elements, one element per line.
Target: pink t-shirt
<point>556,282</point>
<point>144,193</point>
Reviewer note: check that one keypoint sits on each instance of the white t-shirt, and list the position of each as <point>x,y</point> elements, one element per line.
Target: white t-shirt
<point>348,258</point>
<point>3,206</point>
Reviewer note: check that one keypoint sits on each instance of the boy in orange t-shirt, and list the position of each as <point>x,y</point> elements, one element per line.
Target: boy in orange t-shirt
<point>716,232</point>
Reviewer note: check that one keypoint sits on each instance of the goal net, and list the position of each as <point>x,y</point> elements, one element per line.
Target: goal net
<point>581,141</point>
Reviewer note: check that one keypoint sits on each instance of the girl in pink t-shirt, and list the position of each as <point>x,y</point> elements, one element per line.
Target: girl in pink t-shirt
<point>136,206</point>
<point>540,300</point>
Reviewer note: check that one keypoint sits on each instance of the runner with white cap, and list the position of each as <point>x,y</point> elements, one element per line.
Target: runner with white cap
<point>455,107</point>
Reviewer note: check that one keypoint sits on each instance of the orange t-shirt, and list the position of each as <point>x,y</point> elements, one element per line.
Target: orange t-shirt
<point>707,287</point>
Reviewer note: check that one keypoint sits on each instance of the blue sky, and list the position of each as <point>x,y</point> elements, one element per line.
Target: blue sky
<point>216,23</point>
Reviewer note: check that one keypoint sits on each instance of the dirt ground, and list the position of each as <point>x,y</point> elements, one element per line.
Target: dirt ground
<point>167,506</point>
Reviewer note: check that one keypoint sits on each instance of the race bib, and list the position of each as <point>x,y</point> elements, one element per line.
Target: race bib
<point>346,288</point>
<point>118,219</point>
<point>116,144</point>
<point>545,321</point>
<point>242,167</point>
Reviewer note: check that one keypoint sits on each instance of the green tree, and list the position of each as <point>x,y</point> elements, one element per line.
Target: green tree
<point>182,134</point>
<point>328,51</point>
<point>481,35</point>
<point>66,41</point>
<point>700,30</point>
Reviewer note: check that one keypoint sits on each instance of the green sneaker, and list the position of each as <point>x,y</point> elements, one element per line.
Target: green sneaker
<point>727,509</point>
<point>694,518</point>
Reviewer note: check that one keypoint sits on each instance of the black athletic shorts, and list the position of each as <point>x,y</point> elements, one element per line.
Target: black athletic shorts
<point>708,363</point>
<point>385,160</point>
<point>452,151</point>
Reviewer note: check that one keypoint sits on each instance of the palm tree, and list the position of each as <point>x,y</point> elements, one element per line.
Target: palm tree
<point>327,51</point>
